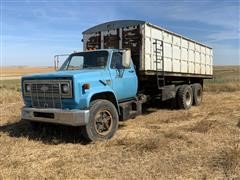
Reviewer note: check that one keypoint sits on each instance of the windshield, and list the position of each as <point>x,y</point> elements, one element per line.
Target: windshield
<point>85,60</point>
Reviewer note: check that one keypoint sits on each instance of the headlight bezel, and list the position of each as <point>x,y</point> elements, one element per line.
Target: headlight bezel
<point>69,93</point>
<point>28,88</point>
<point>25,89</point>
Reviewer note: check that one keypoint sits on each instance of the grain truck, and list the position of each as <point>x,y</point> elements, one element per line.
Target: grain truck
<point>123,65</point>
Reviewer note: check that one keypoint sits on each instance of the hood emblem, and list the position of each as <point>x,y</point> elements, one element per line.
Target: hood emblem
<point>44,88</point>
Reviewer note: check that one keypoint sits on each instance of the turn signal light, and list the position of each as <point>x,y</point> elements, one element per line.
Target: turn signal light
<point>86,86</point>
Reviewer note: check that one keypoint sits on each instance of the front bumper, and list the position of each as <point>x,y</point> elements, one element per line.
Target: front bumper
<point>59,116</point>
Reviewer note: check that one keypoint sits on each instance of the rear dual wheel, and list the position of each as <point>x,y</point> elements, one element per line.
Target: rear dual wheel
<point>185,97</point>
<point>197,94</point>
<point>189,95</point>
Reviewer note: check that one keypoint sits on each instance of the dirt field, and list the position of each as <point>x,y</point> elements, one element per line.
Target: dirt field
<point>163,143</point>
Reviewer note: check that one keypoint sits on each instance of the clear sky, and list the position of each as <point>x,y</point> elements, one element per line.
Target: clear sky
<point>33,31</point>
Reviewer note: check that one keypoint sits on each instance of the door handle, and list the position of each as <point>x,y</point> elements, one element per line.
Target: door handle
<point>131,71</point>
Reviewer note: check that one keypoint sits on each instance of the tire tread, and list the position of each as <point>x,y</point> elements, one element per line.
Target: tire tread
<point>86,130</point>
<point>181,96</point>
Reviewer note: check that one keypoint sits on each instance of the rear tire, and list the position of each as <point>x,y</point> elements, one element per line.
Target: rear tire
<point>103,121</point>
<point>185,97</point>
<point>197,94</point>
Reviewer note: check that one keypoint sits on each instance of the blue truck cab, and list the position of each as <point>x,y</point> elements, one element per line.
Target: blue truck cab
<point>90,90</point>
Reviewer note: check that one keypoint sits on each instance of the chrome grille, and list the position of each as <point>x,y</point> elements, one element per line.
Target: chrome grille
<point>46,94</point>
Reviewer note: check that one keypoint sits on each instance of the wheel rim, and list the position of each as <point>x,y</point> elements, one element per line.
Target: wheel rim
<point>103,122</point>
<point>188,98</point>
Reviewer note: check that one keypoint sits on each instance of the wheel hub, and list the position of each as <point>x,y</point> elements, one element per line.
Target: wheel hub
<point>188,98</point>
<point>103,122</point>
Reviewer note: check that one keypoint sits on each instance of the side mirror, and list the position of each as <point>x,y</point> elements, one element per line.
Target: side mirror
<point>126,58</point>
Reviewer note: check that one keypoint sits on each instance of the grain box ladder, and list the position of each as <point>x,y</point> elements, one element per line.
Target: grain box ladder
<point>159,60</point>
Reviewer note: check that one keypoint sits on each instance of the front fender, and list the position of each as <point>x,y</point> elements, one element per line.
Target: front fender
<point>87,95</point>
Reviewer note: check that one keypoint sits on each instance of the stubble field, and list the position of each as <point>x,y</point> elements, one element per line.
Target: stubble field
<point>163,143</point>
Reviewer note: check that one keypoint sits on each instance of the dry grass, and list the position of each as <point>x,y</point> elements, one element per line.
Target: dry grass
<point>23,70</point>
<point>12,73</point>
<point>225,79</point>
<point>9,96</point>
<point>223,87</point>
<point>201,143</point>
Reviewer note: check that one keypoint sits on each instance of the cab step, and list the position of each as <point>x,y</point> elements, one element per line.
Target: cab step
<point>130,109</point>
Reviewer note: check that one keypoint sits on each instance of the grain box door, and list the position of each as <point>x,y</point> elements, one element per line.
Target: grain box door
<point>111,39</point>
<point>93,41</point>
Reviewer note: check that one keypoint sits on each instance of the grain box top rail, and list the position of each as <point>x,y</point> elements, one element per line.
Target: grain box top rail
<point>124,23</point>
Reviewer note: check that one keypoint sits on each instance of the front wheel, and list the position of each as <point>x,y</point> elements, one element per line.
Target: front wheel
<point>103,121</point>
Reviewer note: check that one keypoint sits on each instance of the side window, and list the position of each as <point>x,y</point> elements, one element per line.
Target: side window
<point>117,61</point>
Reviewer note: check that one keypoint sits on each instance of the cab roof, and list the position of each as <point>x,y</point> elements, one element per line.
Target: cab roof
<point>109,50</point>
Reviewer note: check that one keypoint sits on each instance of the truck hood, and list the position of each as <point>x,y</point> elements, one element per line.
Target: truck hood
<point>64,74</point>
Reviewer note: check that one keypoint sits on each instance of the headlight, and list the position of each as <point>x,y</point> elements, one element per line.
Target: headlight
<point>27,88</point>
<point>65,88</point>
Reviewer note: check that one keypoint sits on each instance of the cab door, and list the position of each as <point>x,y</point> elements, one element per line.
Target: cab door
<point>124,80</point>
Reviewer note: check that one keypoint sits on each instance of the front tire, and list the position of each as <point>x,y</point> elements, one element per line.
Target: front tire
<point>103,121</point>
